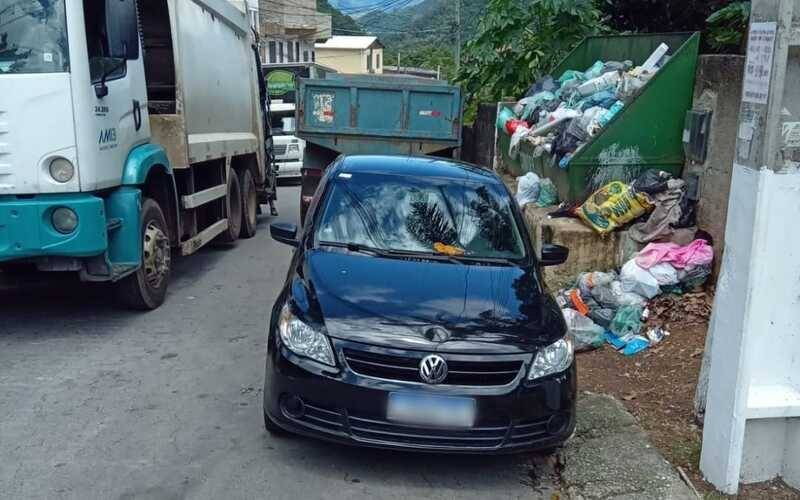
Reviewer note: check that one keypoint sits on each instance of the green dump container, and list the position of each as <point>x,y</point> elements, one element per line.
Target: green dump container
<point>646,134</point>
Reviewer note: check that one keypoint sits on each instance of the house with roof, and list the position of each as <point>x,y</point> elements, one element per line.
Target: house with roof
<point>351,54</point>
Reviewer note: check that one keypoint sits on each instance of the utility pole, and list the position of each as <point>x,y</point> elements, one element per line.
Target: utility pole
<point>752,422</point>
<point>398,60</point>
<point>458,35</point>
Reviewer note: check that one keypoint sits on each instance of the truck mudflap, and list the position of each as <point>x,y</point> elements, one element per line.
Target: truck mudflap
<point>27,228</point>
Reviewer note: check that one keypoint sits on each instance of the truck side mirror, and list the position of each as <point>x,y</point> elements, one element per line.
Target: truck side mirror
<point>123,29</point>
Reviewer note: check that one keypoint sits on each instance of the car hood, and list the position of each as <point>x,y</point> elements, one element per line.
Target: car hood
<point>428,305</point>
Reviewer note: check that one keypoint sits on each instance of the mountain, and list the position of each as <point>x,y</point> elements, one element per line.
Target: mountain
<point>342,24</point>
<point>424,33</point>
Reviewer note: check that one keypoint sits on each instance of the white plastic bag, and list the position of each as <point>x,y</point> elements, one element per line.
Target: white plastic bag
<point>613,296</point>
<point>637,280</point>
<point>585,333</point>
<point>516,137</point>
<point>665,274</point>
<point>527,189</point>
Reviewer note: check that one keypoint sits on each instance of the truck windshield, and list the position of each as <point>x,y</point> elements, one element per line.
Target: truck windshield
<point>33,37</point>
<point>394,213</point>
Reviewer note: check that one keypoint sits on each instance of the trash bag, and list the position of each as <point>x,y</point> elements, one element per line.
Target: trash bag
<point>637,280</point>
<point>516,137</point>
<point>585,333</point>
<point>594,70</point>
<point>613,296</point>
<point>526,106</point>
<point>587,281</point>
<point>527,189</point>
<point>612,206</point>
<point>546,83</point>
<point>605,81</point>
<point>627,321</point>
<point>503,117</point>
<point>617,66</point>
<point>664,273</point>
<point>603,99</point>
<point>610,113</point>
<point>651,181</point>
<point>696,253</point>
<point>569,139</point>
<point>602,316</point>
<point>570,74</point>
<point>695,276</point>
<point>548,195</point>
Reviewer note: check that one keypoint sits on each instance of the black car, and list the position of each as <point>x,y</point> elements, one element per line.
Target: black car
<point>414,316</point>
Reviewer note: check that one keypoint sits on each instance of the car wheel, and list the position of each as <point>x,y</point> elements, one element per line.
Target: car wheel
<point>272,427</point>
<point>249,204</point>
<point>147,287</point>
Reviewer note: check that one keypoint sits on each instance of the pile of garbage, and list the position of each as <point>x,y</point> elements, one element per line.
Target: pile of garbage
<point>559,116</point>
<point>612,307</point>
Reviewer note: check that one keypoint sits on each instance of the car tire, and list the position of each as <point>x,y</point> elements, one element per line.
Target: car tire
<point>146,288</point>
<point>250,205</point>
<point>273,428</point>
<point>233,210</point>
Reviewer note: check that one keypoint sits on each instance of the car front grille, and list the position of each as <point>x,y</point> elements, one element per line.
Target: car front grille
<point>377,430</point>
<point>463,370</point>
<point>279,149</point>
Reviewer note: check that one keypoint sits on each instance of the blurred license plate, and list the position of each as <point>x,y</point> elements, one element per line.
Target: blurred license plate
<point>424,409</point>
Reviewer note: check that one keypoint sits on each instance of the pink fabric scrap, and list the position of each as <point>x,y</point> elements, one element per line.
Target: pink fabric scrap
<point>696,253</point>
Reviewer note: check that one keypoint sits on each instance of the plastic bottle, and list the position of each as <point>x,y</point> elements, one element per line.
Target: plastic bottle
<point>602,82</point>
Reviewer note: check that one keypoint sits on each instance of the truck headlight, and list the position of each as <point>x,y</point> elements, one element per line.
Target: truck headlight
<point>303,339</point>
<point>62,170</point>
<point>554,358</point>
<point>65,220</point>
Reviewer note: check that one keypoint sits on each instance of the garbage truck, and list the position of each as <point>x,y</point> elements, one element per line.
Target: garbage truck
<point>370,114</point>
<point>129,130</point>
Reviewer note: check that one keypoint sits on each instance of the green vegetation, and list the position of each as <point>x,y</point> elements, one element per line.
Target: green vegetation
<point>727,27</point>
<point>517,42</point>
<point>342,24</point>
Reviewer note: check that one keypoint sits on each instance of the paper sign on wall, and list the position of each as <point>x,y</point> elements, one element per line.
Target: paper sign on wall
<point>757,69</point>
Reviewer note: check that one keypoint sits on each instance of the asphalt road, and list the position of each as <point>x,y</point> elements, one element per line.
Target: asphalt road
<point>97,402</point>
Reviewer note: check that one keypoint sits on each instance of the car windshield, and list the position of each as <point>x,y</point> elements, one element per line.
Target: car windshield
<point>455,218</point>
<point>33,37</point>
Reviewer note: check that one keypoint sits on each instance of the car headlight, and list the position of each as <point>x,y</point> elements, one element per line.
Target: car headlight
<point>553,358</point>
<point>61,170</point>
<point>303,339</point>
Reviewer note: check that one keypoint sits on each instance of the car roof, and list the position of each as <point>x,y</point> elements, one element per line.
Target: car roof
<point>416,166</point>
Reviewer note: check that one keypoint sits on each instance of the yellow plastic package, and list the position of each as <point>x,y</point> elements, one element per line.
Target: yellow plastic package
<point>612,206</point>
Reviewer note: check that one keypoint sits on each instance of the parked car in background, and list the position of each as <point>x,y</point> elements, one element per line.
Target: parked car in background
<point>414,315</point>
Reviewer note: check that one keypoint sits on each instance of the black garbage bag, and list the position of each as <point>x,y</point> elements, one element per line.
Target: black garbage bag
<point>572,136</point>
<point>651,181</point>
<point>688,203</point>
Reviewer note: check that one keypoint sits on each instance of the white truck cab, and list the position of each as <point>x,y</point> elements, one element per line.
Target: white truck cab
<point>288,148</point>
<point>127,128</point>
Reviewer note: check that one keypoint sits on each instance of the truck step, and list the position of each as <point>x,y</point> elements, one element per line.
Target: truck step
<point>194,244</point>
<point>202,197</point>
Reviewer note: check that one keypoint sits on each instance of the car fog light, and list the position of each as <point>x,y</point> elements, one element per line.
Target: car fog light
<point>65,220</point>
<point>61,170</point>
<point>554,358</point>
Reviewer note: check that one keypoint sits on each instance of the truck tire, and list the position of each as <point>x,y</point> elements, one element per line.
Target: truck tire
<point>233,210</point>
<point>147,287</point>
<point>249,204</point>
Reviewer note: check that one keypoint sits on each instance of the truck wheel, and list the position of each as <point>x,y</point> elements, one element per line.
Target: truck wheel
<point>249,204</point>
<point>233,210</point>
<point>146,288</point>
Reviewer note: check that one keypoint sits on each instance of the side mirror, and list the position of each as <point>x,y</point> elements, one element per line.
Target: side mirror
<point>123,29</point>
<point>284,232</point>
<point>553,255</point>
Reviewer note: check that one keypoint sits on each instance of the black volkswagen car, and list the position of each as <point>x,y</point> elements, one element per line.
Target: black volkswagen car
<point>414,316</point>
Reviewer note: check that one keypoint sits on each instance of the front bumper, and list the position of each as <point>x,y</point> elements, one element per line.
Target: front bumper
<point>348,408</point>
<point>288,168</point>
<point>26,229</point>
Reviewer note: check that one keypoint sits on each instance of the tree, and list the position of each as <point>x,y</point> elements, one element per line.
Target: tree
<point>519,40</point>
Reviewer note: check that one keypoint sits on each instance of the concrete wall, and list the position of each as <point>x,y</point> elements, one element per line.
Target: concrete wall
<point>718,88</point>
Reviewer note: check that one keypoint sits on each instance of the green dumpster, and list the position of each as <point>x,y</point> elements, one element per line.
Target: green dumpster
<point>646,134</point>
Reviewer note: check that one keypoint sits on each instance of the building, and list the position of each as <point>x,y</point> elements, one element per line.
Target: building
<point>352,54</point>
<point>289,30</point>
<point>249,7</point>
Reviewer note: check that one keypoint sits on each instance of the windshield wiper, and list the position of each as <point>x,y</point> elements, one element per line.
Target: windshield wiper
<point>354,247</point>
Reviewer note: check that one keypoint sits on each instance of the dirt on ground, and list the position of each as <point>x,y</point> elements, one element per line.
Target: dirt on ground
<point>658,386</point>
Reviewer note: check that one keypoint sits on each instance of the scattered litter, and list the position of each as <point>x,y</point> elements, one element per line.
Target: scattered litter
<point>627,321</point>
<point>638,280</point>
<point>636,345</point>
<point>528,187</point>
<point>656,334</point>
<point>612,206</point>
<point>585,333</point>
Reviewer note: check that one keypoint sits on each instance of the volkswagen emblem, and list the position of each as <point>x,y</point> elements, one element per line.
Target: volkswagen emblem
<point>433,369</point>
